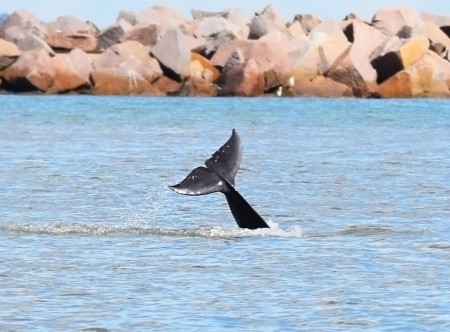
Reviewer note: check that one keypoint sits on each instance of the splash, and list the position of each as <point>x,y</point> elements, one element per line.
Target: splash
<point>79,229</point>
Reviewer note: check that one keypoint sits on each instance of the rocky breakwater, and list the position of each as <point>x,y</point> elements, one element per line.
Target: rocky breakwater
<point>399,53</point>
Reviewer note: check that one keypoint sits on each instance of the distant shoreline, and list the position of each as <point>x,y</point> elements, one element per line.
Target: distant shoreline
<point>400,53</point>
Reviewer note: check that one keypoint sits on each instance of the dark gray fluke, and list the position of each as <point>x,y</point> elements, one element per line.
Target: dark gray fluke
<point>218,176</point>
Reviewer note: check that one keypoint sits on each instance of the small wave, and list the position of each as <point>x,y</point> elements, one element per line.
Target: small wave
<point>108,230</point>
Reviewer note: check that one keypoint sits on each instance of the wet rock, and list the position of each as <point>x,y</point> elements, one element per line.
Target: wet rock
<point>174,54</point>
<point>167,87</point>
<point>32,71</point>
<point>9,53</point>
<point>68,32</point>
<point>71,72</point>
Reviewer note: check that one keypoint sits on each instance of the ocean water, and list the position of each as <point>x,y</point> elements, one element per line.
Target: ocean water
<point>91,239</point>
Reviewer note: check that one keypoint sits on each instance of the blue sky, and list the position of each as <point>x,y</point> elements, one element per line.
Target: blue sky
<point>104,13</point>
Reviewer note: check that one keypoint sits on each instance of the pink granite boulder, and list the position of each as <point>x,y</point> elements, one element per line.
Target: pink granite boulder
<point>9,53</point>
<point>71,72</point>
<point>243,80</point>
<point>173,52</point>
<point>33,71</point>
<point>68,33</point>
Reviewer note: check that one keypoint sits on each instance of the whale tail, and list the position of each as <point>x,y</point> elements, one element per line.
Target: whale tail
<point>218,176</point>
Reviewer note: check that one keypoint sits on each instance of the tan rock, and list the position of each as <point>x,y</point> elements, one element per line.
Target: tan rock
<point>174,53</point>
<point>163,16</point>
<point>68,32</point>
<point>428,77</point>
<point>270,58</point>
<point>120,81</point>
<point>321,87</point>
<point>9,53</point>
<point>166,86</point>
<point>413,50</point>
<point>203,64</point>
<point>71,71</point>
<point>244,80</point>
<point>32,71</point>
<point>403,22</point>
<point>307,21</point>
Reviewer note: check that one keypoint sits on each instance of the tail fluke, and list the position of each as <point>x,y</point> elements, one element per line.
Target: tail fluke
<point>218,176</point>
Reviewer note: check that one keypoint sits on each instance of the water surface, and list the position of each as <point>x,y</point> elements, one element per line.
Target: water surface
<point>357,193</point>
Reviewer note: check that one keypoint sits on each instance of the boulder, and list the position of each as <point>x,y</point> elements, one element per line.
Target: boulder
<point>26,40</point>
<point>353,67</point>
<point>9,53</point>
<point>174,54</point>
<point>441,21</point>
<point>32,71</point>
<point>203,64</point>
<point>270,58</point>
<point>428,77</point>
<point>244,80</point>
<point>261,26</point>
<point>24,21</point>
<point>68,32</point>
<point>114,34</point>
<point>321,87</point>
<point>272,14</point>
<point>399,55</point>
<point>71,71</point>
<point>307,21</point>
<point>163,16</point>
<point>130,55</point>
<point>147,35</point>
<point>211,26</point>
<point>326,43</point>
<point>120,81</point>
<point>403,22</point>
<point>166,86</point>
<point>436,35</point>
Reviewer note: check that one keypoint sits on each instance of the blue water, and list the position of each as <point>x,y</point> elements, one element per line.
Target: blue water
<point>91,239</point>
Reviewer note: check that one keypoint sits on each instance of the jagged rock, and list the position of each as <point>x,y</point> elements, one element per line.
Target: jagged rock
<point>428,77</point>
<point>326,44</point>
<point>244,80</point>
<point>24,21</point>
<point>114,34</point>
<point>204,65</point>
<point>403,22</point>
<point>321,87</point>
<point>9,53</point>
<point>307,21</point>
<point>210,26</point>
<point>130,55</point>
<point>147,35</point>
<point>401,55</point>
<point>296,30</point>
<point>353,67</point>
<point>272,14</point>
<point>269,57</point>
<point>71,71</point>
<point>261,26</point>
<point>174,53</point>
<point>68,32</point>
<point>166,86</point>
<point>32,71</point>
<point>164,16</point>
<point>441,21</point>
<point>436,35</point>
<point>120,81</point>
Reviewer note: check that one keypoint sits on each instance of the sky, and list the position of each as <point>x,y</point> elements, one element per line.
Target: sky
<point>104,13</point>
